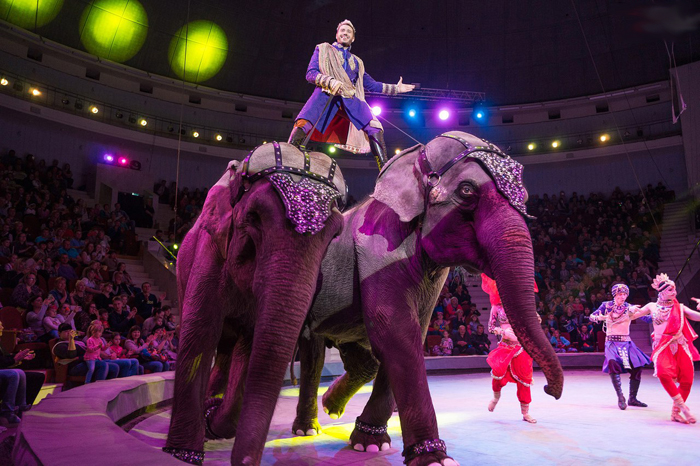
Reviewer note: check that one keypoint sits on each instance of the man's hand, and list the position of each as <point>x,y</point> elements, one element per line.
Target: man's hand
<point>22,355</point>
<point>335,87</point>
<point>402,88</point>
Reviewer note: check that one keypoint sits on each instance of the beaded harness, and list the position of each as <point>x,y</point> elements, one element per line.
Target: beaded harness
<point>506,172</point>
<point>309,201</point>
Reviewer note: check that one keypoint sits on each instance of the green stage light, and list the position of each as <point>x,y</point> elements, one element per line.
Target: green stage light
<point>198,51</point>
<point>29,14</point>
<point>114,29</point>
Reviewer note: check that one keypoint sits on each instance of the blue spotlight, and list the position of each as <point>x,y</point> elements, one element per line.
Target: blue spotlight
<point>412,113</point>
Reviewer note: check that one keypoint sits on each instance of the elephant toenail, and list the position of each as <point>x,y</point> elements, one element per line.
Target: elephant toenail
<point>359,447</point>
<point>385,446</point>
<point>311,432</point>
<point>372,449</point>
<point>300,432</point>
<point>334,416</point>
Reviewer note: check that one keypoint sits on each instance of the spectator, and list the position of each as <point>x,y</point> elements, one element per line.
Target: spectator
<point>60,292</point>
<point>473,323</point>
<point>68,250</point>
<point>586,339</point>
<point>106,297</point>
<point>35,316</point>
<point>458,320</point>
<point>20,388</point>
<point>72,353</point>
<point>146,301</point>
<point>66,270</point>
<point>119,320</point>
<point>80,296</point>
<point>120,287</point>
<point>66,314</point>
<point>480,341</point>
<point>51,321</point>
<point>445,347</point>
<point>22,292</point>
<point>560,344</point>
<point>461,342</point>
<point>136,347</point>
<point>149,325</point>
<point>85,316</point>
<point>94,346</point>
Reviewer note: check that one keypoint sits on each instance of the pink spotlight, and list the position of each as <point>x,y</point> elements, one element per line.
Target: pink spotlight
<point>444,114</point>
<point>109,158</point>
<point>123,161</point>
<point>376,110</point>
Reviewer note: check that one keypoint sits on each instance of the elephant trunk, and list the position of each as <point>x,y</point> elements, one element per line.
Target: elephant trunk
<point>508,246</point>
<point>284,287</point>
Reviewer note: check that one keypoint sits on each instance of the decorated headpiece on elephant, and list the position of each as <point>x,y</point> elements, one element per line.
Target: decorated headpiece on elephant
<point>456,201</point>
<point>247,272</point>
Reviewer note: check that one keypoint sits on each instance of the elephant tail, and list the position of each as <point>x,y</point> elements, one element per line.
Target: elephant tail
<point>292,375</point>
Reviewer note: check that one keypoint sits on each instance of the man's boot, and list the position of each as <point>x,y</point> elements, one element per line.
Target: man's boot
<point>634,388</point>
<point>297,137</point>
<point>378,146</point>
<point>621,402</point>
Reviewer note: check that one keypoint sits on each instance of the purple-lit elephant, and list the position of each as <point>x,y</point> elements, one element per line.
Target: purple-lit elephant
<point>456,201</point>
<point>247,272</point>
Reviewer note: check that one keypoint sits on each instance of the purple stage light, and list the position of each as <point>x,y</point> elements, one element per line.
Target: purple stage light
<point>376,110</point>
<point>444,114</point>
<point>123,161</point>
<point>109,158</point>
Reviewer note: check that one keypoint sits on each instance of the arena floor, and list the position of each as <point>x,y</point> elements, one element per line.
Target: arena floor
<point>585,426</point>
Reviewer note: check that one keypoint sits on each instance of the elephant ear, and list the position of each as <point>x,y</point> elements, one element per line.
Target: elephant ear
<point>400,185</point>
<point>215,218</point>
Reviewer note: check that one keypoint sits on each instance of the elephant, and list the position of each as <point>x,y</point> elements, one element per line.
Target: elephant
<point>247,272</point>
<point>381,278</point>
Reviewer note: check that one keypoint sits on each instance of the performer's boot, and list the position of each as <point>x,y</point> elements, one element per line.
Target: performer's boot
<point>525,409</point>
<point>297,137</point>
<point>494,401</point>
<point>680,404</point>
<point>634,388</point>
<point>621,402</point>
<point>378,146</point>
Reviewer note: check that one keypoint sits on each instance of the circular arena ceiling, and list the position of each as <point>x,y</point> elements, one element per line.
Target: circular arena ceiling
<point>515,52</point>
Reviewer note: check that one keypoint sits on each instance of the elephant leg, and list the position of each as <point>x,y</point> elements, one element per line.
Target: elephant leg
<point>222,364</point>
<point>221,415</point>
<point>360,368</point>
<point>311,358</point>
<point>397,344</point>
<point>200,330</point>
<point>370,433</point>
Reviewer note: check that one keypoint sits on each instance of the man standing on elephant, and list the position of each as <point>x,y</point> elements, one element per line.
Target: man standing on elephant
<point>347,119</point>
<point>621,354</point>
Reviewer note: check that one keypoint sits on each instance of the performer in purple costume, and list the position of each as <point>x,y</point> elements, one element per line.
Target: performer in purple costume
<point>621,354</point>
<point>339,75</point>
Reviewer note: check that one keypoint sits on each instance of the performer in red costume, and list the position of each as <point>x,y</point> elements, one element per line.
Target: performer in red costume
<point>509,362</point>
<point>673,350</point>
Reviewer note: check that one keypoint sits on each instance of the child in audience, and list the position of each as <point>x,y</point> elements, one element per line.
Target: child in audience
<point>94,346</point>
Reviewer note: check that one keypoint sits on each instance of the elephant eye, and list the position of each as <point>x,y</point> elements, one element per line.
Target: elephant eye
<point>466,190</point>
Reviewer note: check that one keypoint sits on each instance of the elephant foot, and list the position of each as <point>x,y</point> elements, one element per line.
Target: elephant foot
<point>428,453</point>
<point>369,438</point>
<point>306,428</point>
<point>210,408</point>
<point>334,405</point>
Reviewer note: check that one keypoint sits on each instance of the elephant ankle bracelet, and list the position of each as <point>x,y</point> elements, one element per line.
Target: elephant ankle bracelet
<point>426,446</point>
<point>188,456</point>
<point>369,428</point>
<point>207,419</point>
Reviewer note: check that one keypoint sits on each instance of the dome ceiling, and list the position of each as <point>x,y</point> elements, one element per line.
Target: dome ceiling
<point>515,52</point>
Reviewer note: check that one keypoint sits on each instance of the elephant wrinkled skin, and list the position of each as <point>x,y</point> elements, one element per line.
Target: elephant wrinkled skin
<point>381,277</point>
<point>246,279</point>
